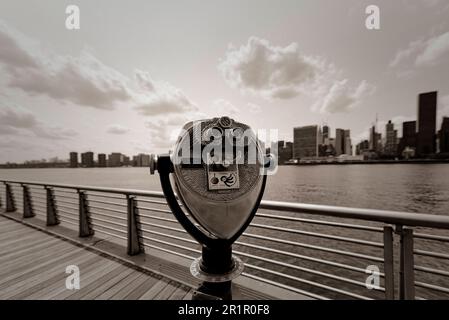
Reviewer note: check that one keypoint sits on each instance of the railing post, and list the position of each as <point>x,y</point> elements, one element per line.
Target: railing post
<point>28,211</point>
<point>52,211</point>
<point>135,243</point>
<point>407,271</point>
<point>10,203</point>
<point>388,263</point>
<point>85,222</point>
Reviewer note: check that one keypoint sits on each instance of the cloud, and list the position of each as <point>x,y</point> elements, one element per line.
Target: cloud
<point>274,72</point>
<point>117,129</point>
<point>222,107</point>
<point>423,52</point>
<point>18,121</point>
<point>341,97</point>
<point>83,80</point>
<point>253,108</point>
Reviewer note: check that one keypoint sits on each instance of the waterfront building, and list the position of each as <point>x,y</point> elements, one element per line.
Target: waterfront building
<point>87,159</point>
<point>306,141</point>
<point>373,139</point>
<point>115,159</point>
<point>339,141</point>
<point>102,160</point>
<point>408,139</point>
<point>285,153</point>
<point>444,136</point>
<point>391,145</point>
<point>141,160</point>
<point>73,159</point>
<point>347,147</point>
<point>325,135</point>
<point>427,117</point>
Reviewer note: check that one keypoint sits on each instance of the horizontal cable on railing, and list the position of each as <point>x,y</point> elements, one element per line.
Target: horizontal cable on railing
<point>307,270</point>
<point>66,207</point>
<point>111,234</point>
<point>302,257</point>
<point>168,251</point>
<point>68,212</point>
<point>65,196</point>
<point>294,255</point>
<point>154,209</point>
<point>431,270</point>
<point>311,283</point>
<point>108,215</point>
<point>431,286</point>
<point>430,237</point>
<point>67,221</point>
<point>431,254</point>
<point>321,222</point>
<point>67,202</point>
<point>110,203</point>
<point>282,241</point>
<point>73,192</point>
<point>90,194</point>
<point>152,201</point>
<point>314,247</point>
<point>284,286</point>
<point>158,218</point>
<point>94,218</point>
<point>68,217</point>
<point>109,228</point>
<point>107,209</point>
<point>319,235</point>
<point>271,261</point>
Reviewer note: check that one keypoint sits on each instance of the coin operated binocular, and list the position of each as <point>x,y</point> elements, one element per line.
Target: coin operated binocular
<point>218,169</point>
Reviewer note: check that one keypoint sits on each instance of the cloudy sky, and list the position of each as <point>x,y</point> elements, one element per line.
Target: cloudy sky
<point>137,70</point>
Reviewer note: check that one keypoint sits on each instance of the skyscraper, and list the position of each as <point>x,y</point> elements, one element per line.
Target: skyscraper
<point>101,160</point>
<point>444,136</point>
<point>73,159</point>
<point>408,139</point>
<point>326,134</point>
<point>115,159</point>
<point>347,146</point>
<point>427,118</point>
<point>373,139</point>
<point>391,140</point>
<point>339,141</point>
<point>305,142</point>
<point>87,159</point>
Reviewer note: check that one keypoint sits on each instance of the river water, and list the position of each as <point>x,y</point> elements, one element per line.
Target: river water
<point>400,187</point>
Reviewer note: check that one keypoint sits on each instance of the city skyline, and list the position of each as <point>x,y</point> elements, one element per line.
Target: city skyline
<point>420,138</point>
<point>136,79</point>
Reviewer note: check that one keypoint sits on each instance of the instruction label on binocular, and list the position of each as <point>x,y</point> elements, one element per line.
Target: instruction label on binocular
<point>223,178</point>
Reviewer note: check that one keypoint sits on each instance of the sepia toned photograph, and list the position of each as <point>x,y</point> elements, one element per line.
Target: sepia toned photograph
<point>224,154</point>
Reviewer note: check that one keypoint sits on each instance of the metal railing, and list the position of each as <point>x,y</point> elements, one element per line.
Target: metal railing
<point>323,252</point>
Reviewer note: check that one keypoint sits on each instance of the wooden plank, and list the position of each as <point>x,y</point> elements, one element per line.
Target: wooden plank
<point>48,278</point>
<point>167,291</point>
<point>86,281</point>
<point>56,284</point>
<point>103,287</point>
<point>143,287</point>
<point>17,251</point>
<point>179,293</point>
<point>30,259</point>
<point>154,290</point>
<point>116,288</point>
<point>32,269</point>
<point>27,239</point>
<point>99,282</point>
<point>42,275</point>
<point>130,287</point>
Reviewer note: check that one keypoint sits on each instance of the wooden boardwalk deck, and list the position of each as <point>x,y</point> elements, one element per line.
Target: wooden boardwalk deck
<point>33,265</point>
